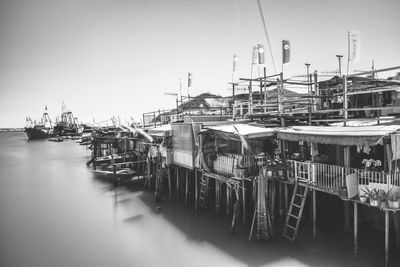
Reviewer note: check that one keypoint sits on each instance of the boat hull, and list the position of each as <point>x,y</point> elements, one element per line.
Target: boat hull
<point>34,133</point>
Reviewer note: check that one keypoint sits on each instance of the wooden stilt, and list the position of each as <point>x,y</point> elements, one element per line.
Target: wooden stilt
<point>355,229</point>
<point>280,201</point>
<point>314,214</point>
<point>396,219</point>
<point>386,237</point>
<point>177,182</point>
<point>235,208</point>
<point>228,199</point>
<point>347,221</point>
<point>273,196</point>
<point>169,182</point>
<point>217,196</point>
<point>286,198</point>
<point>196,191</point>
<point>244,202</point>
<point>186,186</point>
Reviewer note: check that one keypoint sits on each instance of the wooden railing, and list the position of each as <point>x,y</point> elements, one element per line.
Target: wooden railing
<point>330,178</point>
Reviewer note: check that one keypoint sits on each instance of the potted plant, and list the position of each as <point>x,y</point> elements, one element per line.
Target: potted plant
<point>384,197</point>
<point>269,168</point>
<point>363,197</point>
<point>394,201</point>
<point>371,164</point>
<point>373,196</point>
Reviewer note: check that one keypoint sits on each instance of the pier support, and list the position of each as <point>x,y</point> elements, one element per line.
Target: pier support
<point>196,191</point>
<point>228,199</point>
<point>314,208</point>
<point>244,201</point>
<point>396,219</point>
<point>355,229</point>
<point>177,181</point>
<point>217,196</point>
<point>169,182</point>
<point>347,220</point>
<point>186,186</point>
<point>386,237</point>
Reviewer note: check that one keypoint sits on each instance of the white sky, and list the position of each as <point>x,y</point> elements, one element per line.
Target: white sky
<point>108,57</point>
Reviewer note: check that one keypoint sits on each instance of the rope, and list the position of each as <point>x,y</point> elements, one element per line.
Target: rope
<point>266,33</point>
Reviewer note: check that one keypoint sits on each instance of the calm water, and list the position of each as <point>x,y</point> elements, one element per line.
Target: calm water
<point>55,212</point>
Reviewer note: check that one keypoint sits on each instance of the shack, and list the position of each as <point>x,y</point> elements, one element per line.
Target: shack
<point>348,162</point>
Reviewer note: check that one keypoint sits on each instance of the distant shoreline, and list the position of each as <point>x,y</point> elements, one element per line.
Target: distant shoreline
<point>9,130</point>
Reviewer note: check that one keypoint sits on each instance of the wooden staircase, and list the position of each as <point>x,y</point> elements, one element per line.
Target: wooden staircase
<point>295,212</point>
<point>203,191</point>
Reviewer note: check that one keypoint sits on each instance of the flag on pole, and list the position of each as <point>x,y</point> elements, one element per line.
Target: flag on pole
<point>254,59</point>
<point>235,59</point>
<point>189,79</point>
<point>260,49</point>
<point>354,46</point>
<point>285,51</point>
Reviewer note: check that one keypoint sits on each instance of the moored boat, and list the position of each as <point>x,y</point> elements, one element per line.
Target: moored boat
<point>41,130</point>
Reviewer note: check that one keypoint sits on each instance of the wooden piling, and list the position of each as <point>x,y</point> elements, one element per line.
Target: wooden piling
<point>355,229</point>
<point>169,182</point>
<point>386,237</point>
<point>244,201</point>
<point>186,186</point>
<point>196,191</point>
<point>115,175</point>
<point>396,219</point>
<point>217,196</point>
<point>314,214</point>
<point>228,199</point>
<point>177,181</point>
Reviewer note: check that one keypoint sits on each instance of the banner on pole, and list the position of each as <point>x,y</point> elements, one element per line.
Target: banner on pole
<point>189,79</point>
<point>354,46</point>
<point>254,59</point>
<point>260,50</point>
<point>235,59</point>
<point>285,51</point>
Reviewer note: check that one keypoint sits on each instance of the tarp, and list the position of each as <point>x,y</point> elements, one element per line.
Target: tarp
<point>346,136</point>
<point>245,130</point>
<point>159,131</point>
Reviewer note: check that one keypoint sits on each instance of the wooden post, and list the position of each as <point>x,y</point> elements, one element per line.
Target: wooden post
<point>345,113</point>
<point>196,191</point>
<point>115,174</point>
<point>169,182</point>
<point>280,201</point>
<point>186,186</point>
<point>386,237</point>
<point>314,214</point>
<point>177,181</point>
<point>228,199</point>
<point>273,196</point>
<point>217,196</point>
<point>286,198</point>
<point>347,220</point>
<point>396,219</point>
<point>355,229</point>
<point>244,202</point>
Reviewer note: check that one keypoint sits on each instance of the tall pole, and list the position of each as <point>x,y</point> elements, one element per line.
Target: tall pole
<point>339,57</point>
<point>309,93</point>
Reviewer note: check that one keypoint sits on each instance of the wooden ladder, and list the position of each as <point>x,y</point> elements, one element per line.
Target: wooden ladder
<point>203,191</point>
<point>295,212</point>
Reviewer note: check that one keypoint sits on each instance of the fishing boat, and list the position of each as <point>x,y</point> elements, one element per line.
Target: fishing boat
<point>121,174</point>
<point>41,130</point>
<point>56,139</point>
<point>67,125</point>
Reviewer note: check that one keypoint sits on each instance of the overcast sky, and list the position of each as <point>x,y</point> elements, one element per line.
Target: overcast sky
<point>119,57</point>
